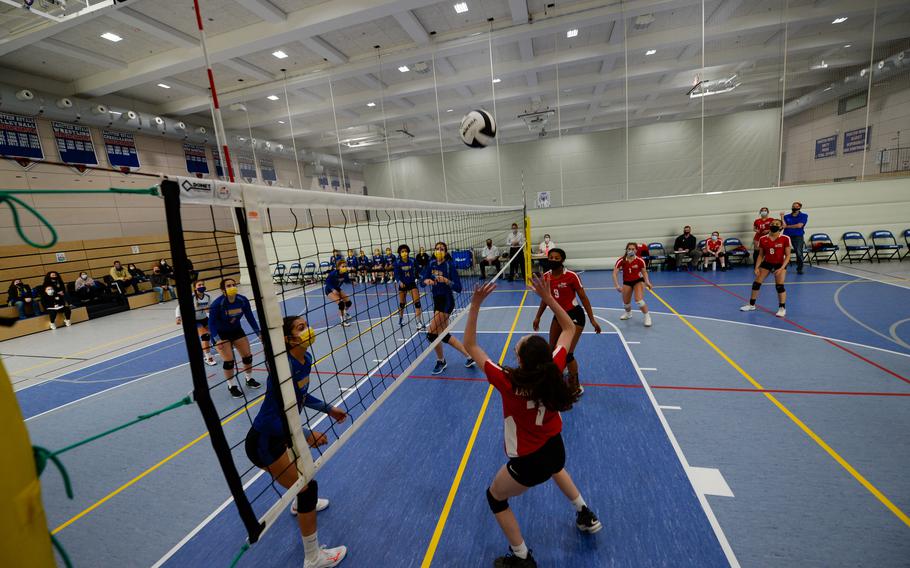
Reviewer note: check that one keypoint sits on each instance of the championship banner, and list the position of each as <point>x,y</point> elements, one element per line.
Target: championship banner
<point>857,140</point>
<point>19,138</point>
<point>267,167</point>
<point>219,169</point>
<point>74,143</point>
<point>335,184</point>
<point>121,150</point>
<point>247,166</point>
<point>196,162</point>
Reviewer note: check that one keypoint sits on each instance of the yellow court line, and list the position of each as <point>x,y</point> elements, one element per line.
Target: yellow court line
<point>809,432</point>
<point>450,499</point>
<point>195,441</point>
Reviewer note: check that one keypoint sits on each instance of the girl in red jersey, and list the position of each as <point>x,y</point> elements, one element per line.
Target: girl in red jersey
<point>773,256</point>
<point>634,279</point>
<point>564,286</point>
<point>761,227</point>
<point>533,395</point>
<point>715,251</point>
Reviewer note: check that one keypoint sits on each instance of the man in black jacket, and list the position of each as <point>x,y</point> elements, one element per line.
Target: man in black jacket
<point>684,246</point>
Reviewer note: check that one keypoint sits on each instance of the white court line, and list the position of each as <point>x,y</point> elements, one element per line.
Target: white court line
<point>648,368</point>
<point>633,342</point>
<point>893,339</point>
<point>861,277</point>
<point>709,513</point>
<point>664,407</point>
<point>710,481</point>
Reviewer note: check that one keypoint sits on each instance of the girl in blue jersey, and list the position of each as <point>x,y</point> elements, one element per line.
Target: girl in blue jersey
<point>352,264</point>
<point>266,442</point>
<point>378,266</point>
<point>442,276</point>
<point>364,265</point>
<point>201,302</point>
<point>389,262</point>
<point>336,256</point>
<point>333,291</point>
<point>225,315</point>
<point>406,274</point>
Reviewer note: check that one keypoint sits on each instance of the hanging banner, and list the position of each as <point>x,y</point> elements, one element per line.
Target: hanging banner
<point>857,140</point>
<point>219,169</point>
<point>74,143</point>
<point>323,182</point>
<point>543,199</point>
<point>19,138</point>
<point>335,184</point>
<point>121,150</point>
<point>826,147</point>
<point>196,162</point>
<point>347,186</point>
<point>247,166</point>
<point>267,167</point>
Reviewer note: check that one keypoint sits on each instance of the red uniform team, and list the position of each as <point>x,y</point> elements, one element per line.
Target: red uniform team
<point>773,257</point>
<point>634,279</point>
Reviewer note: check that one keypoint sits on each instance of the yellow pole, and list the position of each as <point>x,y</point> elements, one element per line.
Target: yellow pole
<point>527,251</point>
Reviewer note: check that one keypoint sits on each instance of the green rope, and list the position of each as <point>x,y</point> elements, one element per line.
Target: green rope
<point>8,196</point>
<point>243,549</point>
<point>61,552</point>
<point>42,456</point>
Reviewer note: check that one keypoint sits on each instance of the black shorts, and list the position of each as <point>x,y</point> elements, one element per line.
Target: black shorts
<point>769,267</point>
<point>407,287</point>
<point>577,313</point>
<point>231,334</point>
<point>632,283</point>
<point>263,450</point>
<point>534,469</point>
<point>202,323</point>
<point>444,304</point>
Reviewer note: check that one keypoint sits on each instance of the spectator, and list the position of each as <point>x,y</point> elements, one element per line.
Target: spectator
<point>194,274</point>
<point>762,227</point>
<point>795,228</point>
<point>136,273</point>
<point>20,297</point>
<point>422,259</point>
<point>161,284</point>
<point>53,296</point>
<point>516,263</point>
<point>490,254</point>
<point>544,248</point>
<point>643,252</point>
<point>87,288</point>
<point>715,251</point>
<point>123,279</point>
<point>165,268</point>
<point>684,246</point>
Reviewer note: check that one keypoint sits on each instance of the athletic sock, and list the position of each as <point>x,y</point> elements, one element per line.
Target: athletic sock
<point>752,302</point>
<point>311,547</point>
<point>579,503</point>
<point>783,304</point>
<point>232,382</point>
<point>521,550</point>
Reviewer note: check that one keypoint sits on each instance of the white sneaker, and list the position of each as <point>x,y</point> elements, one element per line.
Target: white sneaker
<point>781,312</point>
<point>328,557</point>
<point>210,360</point>
<point>345,323</point>
<point>748,308</point>
<point>53,325</point>
<point>67,323</point>
<point>625,316</point>
<point>648,320</point>
<point>321,505</point>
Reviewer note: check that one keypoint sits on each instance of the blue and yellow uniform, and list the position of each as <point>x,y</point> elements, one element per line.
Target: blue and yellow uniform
<point>225,317</point>
<point>406,274</point>
<point>334,280</point>
<point>352,262</point>
<point>443,294</point>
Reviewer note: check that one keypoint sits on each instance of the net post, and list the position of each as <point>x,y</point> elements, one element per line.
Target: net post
<point>527,251</point>
<point>201,395</point>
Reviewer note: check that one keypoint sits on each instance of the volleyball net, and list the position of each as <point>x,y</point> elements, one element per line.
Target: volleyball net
<point>366,342</point>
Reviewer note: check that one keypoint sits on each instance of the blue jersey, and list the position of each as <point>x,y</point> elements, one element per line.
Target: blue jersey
<point>334,280</point>
<point>390,260</point>
<point>406,271</point>
<point>792,219</point>
<point>446,269</point>
<point>364,261</point>
<point>226,316</point>
<point>268,420</point>
<point>378,260</point>
<point>333,260</point>
<point>352,262</point>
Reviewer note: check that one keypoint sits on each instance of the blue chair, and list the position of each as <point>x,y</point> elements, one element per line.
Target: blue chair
<point>736,250</point>
<point>278,273</point>
<point>855,244</point>
<point>464,259</point>
<point>821,244</point>
<point>294,273</point>
<point>906,234</point>
<point>324,268</point>
<point>884,243</point>
<point>309,272</point>
<point>658,255</point>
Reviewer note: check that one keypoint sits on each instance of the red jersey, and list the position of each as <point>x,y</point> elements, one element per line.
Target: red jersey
<point>774,249</point>
<point>527,425</point>
<point>762,227</point>
<point>632,269</point>
<point>564,288</point>
<point>713,245</point>
<point>642,250</point>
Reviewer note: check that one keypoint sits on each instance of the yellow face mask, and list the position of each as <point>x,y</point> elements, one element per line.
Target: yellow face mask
<point>404,256</point>
<point>307,337</point>
<point>440,255</point>
<point>230,292</point>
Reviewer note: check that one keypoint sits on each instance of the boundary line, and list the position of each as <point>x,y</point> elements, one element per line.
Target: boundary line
<point>870,278</point>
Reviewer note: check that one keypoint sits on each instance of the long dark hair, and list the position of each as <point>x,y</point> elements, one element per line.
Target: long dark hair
<point>287,325</point>
<point>538,378</point>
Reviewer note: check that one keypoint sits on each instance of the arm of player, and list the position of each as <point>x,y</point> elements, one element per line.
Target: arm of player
<point>647,277</point>
<point>590,311</point>
<point>454,278</point>
<point>214,310</point>
<point>537,317</point>
<point>248,314</point>
<point>783,267</point>
<point>759,260</point>
<point>470,329</point>
<point>542,288</point>
<point>615,280</point>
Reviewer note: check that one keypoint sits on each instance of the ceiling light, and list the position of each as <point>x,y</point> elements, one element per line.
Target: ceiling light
<point>497,80</point>
<point>280,54</point>
<point>449,109</point>
<point>848,45</point>
<point>404,68</point>
<point>280,122</point>
<point>651,52</point>
<point>111,37</point>
<point>572,33</point>
<point>163,86</point>
<point>272,97</point>
<point>840,20</point>
<point>461,7</point>
<point>371,104</point>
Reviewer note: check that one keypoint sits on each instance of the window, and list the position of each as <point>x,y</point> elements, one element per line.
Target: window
<point>851,102</point>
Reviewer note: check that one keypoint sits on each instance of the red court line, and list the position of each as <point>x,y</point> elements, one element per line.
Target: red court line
<point>809,331</point>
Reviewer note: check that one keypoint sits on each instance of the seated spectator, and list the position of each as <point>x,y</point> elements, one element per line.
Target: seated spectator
<point>87,288</point>
<point>544,248</point>
<point>161,284</point>
<point>137,273</point>
<point>422,259</point>
<point>165,268</point>
<point>489,257</point>
<point>715,251</point>
<point>53,296</point>
<point>123,279</point>
<point>20,297</point>
<point>643,252</point>
<point>685,246</point>
<point>194,274</point>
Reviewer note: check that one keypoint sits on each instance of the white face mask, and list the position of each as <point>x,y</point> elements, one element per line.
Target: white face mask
<point>630,253</point>
<point>84,276</point>
<point>763,214</point>
<point>546,239</point>
<point>714,237</point>
<point>49,291</point>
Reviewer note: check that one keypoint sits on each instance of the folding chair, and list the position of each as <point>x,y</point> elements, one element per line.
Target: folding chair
<point>736,250</point>
<point>855,244</point>
<point>278,273</point>
<point>884,243</point>
<point>294,273</point>
<point>821,244</point>
<point>324,268</point>
<point>658,255</point>
<point>906,234</point>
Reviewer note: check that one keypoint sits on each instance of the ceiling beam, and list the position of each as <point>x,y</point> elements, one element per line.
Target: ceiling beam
<point>153,27</point>
<point>519,9</point>
<point>248,69</point>
<point>184,86</point>
<point>264,10</point>
<point>81,54</point>
<point>412,26</point>
<point>371,81</point>
<point>44,30</point>
<point>324,49</point>
<point>526,49</point>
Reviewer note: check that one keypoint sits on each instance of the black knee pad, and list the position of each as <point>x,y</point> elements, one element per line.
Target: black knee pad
<point>495,505</point>
<point>341,305</point>
<point>348,304</point>
<point>306,499</point>
<point>447,338</point>
<point>227,365</point>
<point>756,285</point>
<point>401,305</point>
<point>417,304</point>
<point>780,288</point>
<point>431,337</point>
<point>205,337</point>
<point>248,360</point>
<point>569,358</point>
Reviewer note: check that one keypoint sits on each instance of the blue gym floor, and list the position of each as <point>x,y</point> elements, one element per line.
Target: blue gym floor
<point>713,438</point>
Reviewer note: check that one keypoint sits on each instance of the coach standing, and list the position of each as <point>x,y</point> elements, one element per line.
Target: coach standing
<point>795,228</point>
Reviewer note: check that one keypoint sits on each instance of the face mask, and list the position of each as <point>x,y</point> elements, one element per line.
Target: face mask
<point>630,253</point>
<point>714,237</point>
<point>440,255</point>
<point>307,337</point>
<point>388,251</point>
<point>763,214</point>
<point>489,244</point>
<point>514,230</point>
<point>342,269</point>
<point>557,264</point>
<point>795,210</point>
<point>775,228</point>
<point>230,292</point>
<point>546,239</point>
<point>84,276</point>
<point>404,256</point>
<point>686,232</point>
<point>49,291</point>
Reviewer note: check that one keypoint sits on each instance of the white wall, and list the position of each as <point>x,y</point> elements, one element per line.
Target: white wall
<point>595,235</point>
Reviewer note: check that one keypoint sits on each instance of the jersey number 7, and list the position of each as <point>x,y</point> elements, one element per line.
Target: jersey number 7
<point>541,410</point>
